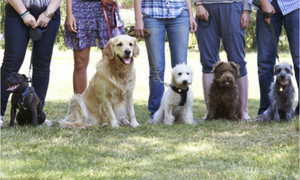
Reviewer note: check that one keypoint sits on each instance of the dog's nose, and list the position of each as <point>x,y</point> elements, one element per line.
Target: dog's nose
<point>282,76</point>
<point>127,52</point>
<point>184,82</point>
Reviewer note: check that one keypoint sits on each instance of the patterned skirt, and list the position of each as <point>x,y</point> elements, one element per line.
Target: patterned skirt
<point>91,25</point>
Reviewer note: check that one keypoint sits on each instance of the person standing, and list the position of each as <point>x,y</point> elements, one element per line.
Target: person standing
<point>174,18</point>
<point>226,20</point>
<point>89,23</point>
<point>285,13</point>
<point>20,17</point>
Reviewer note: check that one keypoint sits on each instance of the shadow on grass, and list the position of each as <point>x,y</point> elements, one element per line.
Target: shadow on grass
<point>217,149</point>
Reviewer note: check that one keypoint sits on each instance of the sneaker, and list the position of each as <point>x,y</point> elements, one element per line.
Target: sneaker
<point>150,121</point>
<point>47,122</point>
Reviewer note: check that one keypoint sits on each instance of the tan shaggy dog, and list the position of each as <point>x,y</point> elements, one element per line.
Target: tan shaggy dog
<point>108,98</point>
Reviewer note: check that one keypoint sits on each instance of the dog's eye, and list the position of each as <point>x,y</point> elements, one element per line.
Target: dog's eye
<point>179,74</point>
<point>188,73</point>
<point>130,44</point>
<point>278,71</point>
<point>120,44</point>
<point>287,70</point>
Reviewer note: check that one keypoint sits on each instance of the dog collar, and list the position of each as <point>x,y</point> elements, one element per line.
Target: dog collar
<point>182,92</point>
<point>25,92</point>
<point>23,98</point>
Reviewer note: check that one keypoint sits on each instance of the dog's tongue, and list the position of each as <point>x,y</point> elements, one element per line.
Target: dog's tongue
<point>127,60</point>
<point>227,82</point>
<point>283,82</point>
<point>11,88</point>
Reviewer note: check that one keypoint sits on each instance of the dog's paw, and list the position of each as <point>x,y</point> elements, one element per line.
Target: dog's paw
<point>169,122</point>
<point>261,118</point>
<point>134,124</point>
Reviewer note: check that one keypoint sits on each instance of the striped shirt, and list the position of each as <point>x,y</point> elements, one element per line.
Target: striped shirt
<point>163,9</point>
<point>286,6</point>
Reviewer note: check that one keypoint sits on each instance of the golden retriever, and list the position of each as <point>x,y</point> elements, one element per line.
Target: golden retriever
<point>109,95</point>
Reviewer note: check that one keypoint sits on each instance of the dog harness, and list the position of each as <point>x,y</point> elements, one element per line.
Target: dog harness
<point>24,94</point>
<point>182,92</point>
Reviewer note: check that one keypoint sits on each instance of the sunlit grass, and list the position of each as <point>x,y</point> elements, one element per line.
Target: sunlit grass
<point>209,150</point>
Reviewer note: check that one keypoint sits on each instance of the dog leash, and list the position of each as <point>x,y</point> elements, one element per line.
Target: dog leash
<point>267,15</point>
<point>35,35</point>
<point>147,33</point>
<point>113,14</point>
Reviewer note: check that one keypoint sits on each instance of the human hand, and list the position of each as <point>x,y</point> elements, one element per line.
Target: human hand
<point>71,23</point>
<point>266,6</point>
<point>29,20</point>
<point>43,20</point>
<point>193,25</point>
<point>202,13</point>
<point>109,1</point>
<point>245,19</point>
<point>139,28</point>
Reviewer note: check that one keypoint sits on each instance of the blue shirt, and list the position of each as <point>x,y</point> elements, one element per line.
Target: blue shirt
<point>163,9</point>
<point>286,6</point>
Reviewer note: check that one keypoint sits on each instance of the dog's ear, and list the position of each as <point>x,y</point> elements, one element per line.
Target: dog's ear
<point>25,77</point>
<point>136,49</point>
<point>291,67</point>
<point>174,71</point>
<point>109,49</point>
<point>236,67</point>
<point>276,69</point>
<point>216,65</point>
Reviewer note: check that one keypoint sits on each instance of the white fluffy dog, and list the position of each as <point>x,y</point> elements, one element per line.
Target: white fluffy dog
<point>109,96</point>
<point>176,103</point>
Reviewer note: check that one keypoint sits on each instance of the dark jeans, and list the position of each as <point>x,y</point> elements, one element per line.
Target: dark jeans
<point>266,54</point>
<point>16,41</point>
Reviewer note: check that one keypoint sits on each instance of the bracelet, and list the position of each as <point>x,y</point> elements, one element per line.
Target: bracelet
<point>24,14</point>
<point>199,5</point>
<point>48,13</point>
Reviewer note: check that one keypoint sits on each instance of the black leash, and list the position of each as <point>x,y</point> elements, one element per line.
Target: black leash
<point>35,35</point>
<point>267,15</point>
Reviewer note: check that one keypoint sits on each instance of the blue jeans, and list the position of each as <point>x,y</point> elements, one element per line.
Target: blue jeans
<point>177,30</point>
<point>16,41</point>
<point>266,54</point>
<point>224,23</point>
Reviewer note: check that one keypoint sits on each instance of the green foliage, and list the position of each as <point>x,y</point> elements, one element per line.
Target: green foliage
<point>128,19</point>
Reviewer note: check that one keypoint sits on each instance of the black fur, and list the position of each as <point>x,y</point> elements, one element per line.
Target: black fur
<point>29,104</point>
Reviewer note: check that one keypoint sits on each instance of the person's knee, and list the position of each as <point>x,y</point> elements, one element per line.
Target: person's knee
<point>80,64</point>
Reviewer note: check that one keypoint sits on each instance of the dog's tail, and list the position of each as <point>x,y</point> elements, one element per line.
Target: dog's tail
<point>78,115</point>
<point>68,124</point>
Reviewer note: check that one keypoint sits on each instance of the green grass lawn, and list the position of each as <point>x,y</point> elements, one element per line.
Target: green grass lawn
<point>209,150</point>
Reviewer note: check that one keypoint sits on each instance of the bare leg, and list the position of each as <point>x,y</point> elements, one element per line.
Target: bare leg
<point>81,61</point>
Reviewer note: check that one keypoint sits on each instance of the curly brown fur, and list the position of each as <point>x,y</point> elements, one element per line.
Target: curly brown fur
<point>223,98</point>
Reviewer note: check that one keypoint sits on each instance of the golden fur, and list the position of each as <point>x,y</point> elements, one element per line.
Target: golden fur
<point>109,95</point>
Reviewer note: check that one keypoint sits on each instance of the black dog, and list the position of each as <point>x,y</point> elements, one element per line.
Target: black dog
<point>26,100</point>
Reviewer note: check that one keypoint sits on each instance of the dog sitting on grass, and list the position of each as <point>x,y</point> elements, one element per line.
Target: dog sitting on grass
<point>282,95</point>
<point>26,100</point>
<point>176,103</point>
<point>223,98</point>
